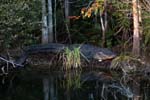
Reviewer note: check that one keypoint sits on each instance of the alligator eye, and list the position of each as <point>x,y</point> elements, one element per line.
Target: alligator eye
<point>100,60</point>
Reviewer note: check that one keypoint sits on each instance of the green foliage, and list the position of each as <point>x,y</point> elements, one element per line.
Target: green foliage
<point>119,20</point>
<point>18,19</point>
<point>85,31</point>
<point>123,18</point>
<point>20,22</point>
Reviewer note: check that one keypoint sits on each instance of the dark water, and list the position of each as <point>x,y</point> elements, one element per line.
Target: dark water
<point>74,85</point>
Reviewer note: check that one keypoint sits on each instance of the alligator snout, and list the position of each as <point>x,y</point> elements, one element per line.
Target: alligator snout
<point>101,56</point>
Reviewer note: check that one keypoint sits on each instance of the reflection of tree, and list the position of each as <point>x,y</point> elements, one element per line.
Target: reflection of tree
<point>46,88</point>
<point>49,89</point>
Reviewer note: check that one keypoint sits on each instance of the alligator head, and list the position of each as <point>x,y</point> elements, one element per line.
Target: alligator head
<point>101,56</point>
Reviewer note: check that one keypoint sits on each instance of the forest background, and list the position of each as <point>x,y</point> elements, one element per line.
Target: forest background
<point>106,23</point>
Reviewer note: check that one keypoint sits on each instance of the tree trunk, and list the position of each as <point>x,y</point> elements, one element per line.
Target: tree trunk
<point>50,21</point>
<point>136,37</point>
<point>67,20</point>
<point>44,23</point>
<point>104,24</point>
<point>55,21</point>
<point>66,3</point>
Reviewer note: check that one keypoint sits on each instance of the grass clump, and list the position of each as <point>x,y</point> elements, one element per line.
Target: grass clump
<point>126,63</point>
<point>72,58</point>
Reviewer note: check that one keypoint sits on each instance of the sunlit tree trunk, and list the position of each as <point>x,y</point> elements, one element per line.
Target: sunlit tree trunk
<point>47,19</point>
<point>136,36</point>
<point>50,21</point>
<point>44,23</point>
<point>104,24</point>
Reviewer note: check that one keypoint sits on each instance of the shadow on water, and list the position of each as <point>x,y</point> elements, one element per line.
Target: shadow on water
<point>71,85</point>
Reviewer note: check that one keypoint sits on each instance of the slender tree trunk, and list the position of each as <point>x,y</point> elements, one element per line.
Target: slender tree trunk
<point>55,21</point>
<point>67,21</point>
<point>44,23</point>
<point>50,21</point>
<point>104,24</point>
<point>136,36</point>
<point>103,30</point>
<point>66,3</point>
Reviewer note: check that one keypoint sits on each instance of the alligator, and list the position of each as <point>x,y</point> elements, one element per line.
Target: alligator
<point>87,51</point>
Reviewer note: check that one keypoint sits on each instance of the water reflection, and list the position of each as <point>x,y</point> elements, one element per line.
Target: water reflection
<point>49,90</point>
<point>46,88</point>
<point>74,85</point>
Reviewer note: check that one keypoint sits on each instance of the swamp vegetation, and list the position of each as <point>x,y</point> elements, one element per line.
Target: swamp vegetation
<point>74,49</point>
